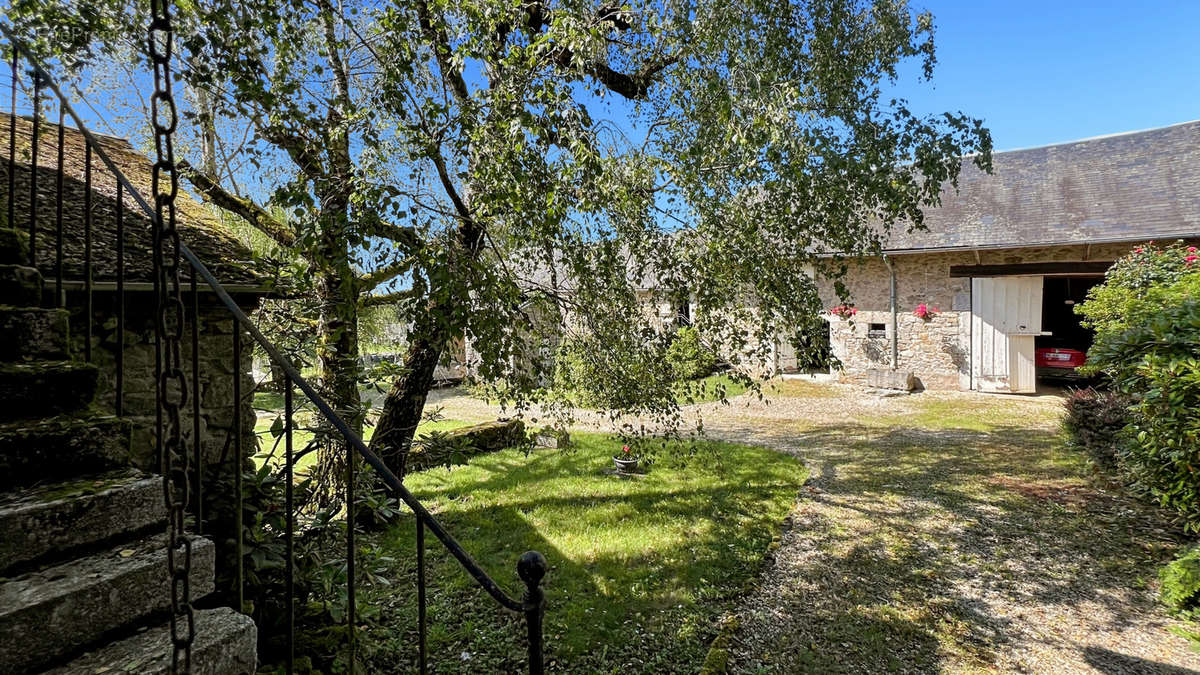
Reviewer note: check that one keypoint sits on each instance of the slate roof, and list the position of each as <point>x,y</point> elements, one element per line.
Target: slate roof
<point>203,233</point>
<point>1126,187</point>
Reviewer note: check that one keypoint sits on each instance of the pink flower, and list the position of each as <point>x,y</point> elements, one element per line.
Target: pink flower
<point>1138,249</point>
<point>1191,258</point>
<point>1191,249</point>
<point>625,449</point>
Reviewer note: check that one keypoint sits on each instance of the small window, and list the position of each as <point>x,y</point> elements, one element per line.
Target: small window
<point>876,330</point>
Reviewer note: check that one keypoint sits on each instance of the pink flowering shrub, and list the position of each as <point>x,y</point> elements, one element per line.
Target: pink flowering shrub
<point>1153,265</point>
<point>1139,285</point>
<point>843,311</point>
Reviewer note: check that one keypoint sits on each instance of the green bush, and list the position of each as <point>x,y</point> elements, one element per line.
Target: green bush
<point>1147,321</point>
<point>319,588</point>
<point>612,372</point>
<point>1181,584</point>
<point>1094,423</point>
<point>1159,367</point>
<point>688,358</point>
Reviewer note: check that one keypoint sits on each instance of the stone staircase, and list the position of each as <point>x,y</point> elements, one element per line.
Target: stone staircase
<point>84,586</point>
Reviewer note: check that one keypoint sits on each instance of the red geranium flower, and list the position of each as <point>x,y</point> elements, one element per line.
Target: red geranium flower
<point>923,311</point>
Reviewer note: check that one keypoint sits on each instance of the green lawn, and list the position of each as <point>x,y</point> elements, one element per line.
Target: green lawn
<point>269,400</point>
<point>640,567</point>
<point>711,388</point>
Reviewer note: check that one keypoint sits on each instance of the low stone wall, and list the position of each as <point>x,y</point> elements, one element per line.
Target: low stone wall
<point>459,445</point>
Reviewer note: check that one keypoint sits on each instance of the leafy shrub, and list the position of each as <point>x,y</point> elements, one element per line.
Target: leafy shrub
<point>688,357</point>
<point>1147,320</point>
<point>1160,369</point>
<point>1181,584</point>
<point>319,591</point>
<point>614,371</point>
<point>1094,422</point>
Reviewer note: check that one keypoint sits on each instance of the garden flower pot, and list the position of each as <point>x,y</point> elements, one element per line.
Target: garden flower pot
<point>626,465</point>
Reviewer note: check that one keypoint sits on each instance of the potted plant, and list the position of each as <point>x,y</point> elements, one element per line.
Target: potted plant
<point>626,461</point>
<point>925,312</point>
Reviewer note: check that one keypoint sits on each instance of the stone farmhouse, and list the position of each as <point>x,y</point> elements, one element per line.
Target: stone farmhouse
<point>1005,258</point>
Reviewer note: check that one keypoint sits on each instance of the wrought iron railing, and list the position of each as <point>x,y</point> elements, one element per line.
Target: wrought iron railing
<point>177,388</point>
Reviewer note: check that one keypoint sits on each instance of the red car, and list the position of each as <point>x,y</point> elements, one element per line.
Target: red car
<point>1058,361</point>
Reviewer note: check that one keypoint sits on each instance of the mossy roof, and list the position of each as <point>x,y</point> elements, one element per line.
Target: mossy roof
<point>199,227</point>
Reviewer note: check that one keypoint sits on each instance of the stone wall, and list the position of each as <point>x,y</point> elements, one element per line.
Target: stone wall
<point>938,350</point>
<point>216,364</point>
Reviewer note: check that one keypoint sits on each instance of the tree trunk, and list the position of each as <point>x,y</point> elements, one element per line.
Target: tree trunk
<point>208,135</point>
<point>338,360</point>
<point>406,399</point>
<point>428,339</point>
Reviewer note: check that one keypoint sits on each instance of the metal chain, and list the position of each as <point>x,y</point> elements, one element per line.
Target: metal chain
<point>172,387</point>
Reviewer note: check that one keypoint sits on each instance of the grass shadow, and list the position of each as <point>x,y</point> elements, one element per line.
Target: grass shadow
<point>640,567</point>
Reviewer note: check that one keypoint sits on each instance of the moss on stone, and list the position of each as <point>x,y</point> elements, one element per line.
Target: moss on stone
<point>716,661</point>
<point>79,487</point>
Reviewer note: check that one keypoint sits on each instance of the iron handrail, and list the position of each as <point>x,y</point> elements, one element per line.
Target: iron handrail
<point>531,566</point>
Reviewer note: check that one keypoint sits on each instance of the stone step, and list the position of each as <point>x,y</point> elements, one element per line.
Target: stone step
<point>14,246</point>
<point>61,448</point>
<point>33,333</point>
<point>20,286</point>
<point>61,518</point>
<point>44,388</point>
<point>225,644</point>
<point>45,615</point>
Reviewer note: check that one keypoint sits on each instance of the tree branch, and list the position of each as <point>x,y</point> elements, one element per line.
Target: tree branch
<point>406,237</point>
<point>633,87</point>
<point>440,43</point>
<point>387,298</point>
<point>296,146</point>
<point>252,213</point>
<point>371,280</point>
<point>460,206</point>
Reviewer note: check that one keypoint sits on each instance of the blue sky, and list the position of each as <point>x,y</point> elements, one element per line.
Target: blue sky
<point>1058,70</point>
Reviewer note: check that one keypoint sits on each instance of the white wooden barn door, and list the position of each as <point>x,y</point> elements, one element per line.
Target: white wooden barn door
<point>1006,317</point>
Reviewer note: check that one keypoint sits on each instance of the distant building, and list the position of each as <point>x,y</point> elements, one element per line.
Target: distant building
<point>1006,257</point>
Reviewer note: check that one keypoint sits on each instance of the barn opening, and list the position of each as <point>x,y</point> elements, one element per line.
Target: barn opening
<point>1063,347</point>
<point>1024,329</point>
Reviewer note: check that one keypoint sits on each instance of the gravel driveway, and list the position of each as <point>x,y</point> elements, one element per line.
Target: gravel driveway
<point>943,532</point>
